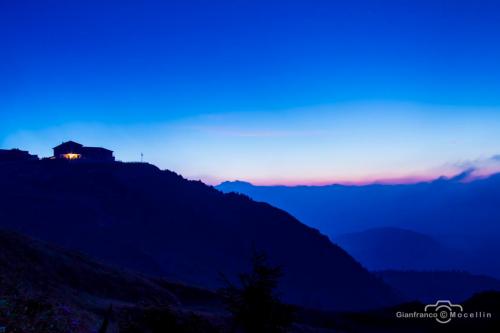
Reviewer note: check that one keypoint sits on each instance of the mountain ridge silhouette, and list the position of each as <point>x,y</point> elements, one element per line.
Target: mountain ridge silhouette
<point>137,216</point>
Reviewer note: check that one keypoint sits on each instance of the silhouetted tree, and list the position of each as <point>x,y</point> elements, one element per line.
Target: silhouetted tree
<point>254,303</point>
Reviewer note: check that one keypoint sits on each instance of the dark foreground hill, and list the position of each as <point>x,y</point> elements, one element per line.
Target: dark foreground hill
<point>47,289</point>
<point>141,218</point>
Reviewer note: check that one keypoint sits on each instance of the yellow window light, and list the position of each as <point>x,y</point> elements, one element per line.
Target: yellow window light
<point>71,156</point>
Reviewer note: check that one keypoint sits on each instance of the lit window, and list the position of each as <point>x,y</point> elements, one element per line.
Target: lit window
<point>71,156</point>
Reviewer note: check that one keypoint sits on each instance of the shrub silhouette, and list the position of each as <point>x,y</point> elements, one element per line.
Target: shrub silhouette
<point>105,322</point>
<point>254,303</point>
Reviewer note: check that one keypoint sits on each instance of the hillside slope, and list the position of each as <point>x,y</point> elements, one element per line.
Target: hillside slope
<point>45,288</point>
<point>398,249</point>
<point>139,217</point>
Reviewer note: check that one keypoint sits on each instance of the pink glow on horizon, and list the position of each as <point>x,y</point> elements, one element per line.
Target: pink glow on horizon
<point>403,180</point>
<point>360,182</point>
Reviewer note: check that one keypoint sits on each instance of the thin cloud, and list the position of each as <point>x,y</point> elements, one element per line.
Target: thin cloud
<point>478,168</point>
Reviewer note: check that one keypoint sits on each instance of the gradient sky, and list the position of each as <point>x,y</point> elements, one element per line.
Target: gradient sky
<point>265,91</point>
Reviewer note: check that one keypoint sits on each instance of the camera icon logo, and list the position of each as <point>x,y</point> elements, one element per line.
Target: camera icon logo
<point>444,310</point>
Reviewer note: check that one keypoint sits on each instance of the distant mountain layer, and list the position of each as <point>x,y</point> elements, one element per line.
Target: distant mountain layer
<point>429,207</point>
<point>460,216</point>
<point>141,218</point>
<point>399,249</point>
<point>428,287</point>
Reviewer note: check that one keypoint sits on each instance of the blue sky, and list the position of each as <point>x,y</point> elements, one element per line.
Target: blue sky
<point>266,91</point>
